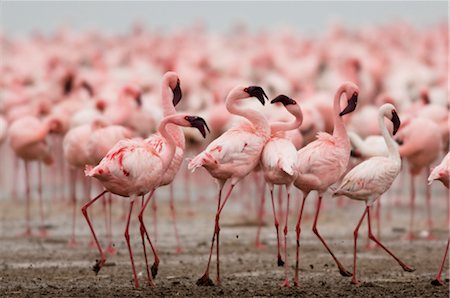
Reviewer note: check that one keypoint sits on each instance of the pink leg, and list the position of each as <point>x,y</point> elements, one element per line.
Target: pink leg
<point>280,203</point>
<point>187,191</point>
<point>42,230</point>
<point>127,238</point>
<point>280,261</point>
<point>73,182</point>
<point>355,280</point>
<point>110,249</point>
<point>155,219</point>
<point>438,280</point>
<point>205,280</point>
<point>372,237</point>
<point>155,265</point>
<point>342,270</point>
<point>261,215</point>
<point>99,263</point>
<point>428,200</point>
<point>141,229</point>
<point>410,234</point>
<point>286,279</point>
<point>298,231</point>
<point>174,218</point>
<point>87,194</point>
<point>27,232</point>
<point>16,178</point>
<point>378,217</point>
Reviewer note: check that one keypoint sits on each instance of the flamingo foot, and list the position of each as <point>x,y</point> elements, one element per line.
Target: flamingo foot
<point>259,245</point>
<point>98,265</point>
<point>280,261</point>
<point>286,284</point>
<point>111,250</point>
<point>178,250</point>
<point>92,244</point>
<point>407,268</point>
<point>205,281</point>
<point>27,233</point>
<point>43,233</point>
<point>410,236</point>
<point>154,270</point>
<point>344,272</point>
<point>437,282</point>
<point>72,243</point>
<point>355,282</point>
<point>431,237</point>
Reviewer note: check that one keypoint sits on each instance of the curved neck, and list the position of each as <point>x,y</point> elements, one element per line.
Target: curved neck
<point>286,126</point>
<point>168,154</point>
<point>256,118</point>
<point>169,109</point>
<point>388,139</point>
<point>339,127</point>
<point>356,141</point>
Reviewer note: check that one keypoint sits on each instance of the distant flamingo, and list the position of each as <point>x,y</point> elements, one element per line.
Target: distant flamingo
<point>279,163</point>
<point>421,146</point>
<point>133,168</point>
<point>27,138</point>
<point>233,156</point>
<point>322,162</point>
<point>373,177</point>
<point>442,173</point>
<point>170,99</point>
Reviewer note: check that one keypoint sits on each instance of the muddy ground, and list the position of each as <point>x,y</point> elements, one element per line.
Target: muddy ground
<point>32,267</point>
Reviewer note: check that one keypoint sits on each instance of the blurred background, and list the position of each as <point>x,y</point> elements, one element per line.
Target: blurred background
<point>308,17</point>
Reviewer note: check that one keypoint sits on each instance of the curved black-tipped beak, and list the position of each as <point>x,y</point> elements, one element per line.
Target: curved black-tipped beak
<point>396,121</point>
<point>199,123</point>
<point>138,99</point>
<point>258,92</point>
<point>351,106</point>
<point>88,88</point>
<point>285,100</point>
<point>177,94</point>
<point>68,84</point>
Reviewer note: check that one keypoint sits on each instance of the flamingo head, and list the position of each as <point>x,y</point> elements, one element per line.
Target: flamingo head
<point>199,123</point>
<point>285,100</point>
<point>258,92</point>
<point>134,92</point>
<point>172,80</point>
<point>352,90</point>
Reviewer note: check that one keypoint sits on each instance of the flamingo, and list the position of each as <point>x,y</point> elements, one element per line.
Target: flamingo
<point>170,81</point>
<point>133,168</point>
<point>279,163</point>
<point>373,177</point>
<point>322,162</point>
<point>420,150</point>
<point>233,156</point>
<point>441,173</point>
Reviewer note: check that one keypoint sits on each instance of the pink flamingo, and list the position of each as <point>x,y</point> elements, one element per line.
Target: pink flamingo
<point>279,162</point>
<point>170,99</point>
<point>27,138</point>
<point>373,177</point>
<point>420,150</point>
<point>322,162</point>
<point>441,173</point>
<point>233,156</point>
<point>133,168</point>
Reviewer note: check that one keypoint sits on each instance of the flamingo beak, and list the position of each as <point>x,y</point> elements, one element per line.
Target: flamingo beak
<point>177,94</point>
<point>396,121</point>
<point>258,92</point>
<point>285,100</point>
<point>199,123</point>
<point>138,99</point>
<point>88,88</point>
<point>351,106</point>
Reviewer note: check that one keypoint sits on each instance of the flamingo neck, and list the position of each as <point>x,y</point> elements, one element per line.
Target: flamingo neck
<point>168,110</point>
<point>167,155</point>
<point>393,152</point>
<point>286,126</point>
<point>256,118</point>
<point>339,130</point>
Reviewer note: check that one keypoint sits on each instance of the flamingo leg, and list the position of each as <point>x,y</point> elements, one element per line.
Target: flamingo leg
<point>428,200</point>
<point>127,238</point>
<point>143,229</point>
<point>99,263</point>
<point>155,219</point>
<point>342,270</point>
<point>187,190</point>
<point>410,235</point>
<point>73,181</point>
<point>87,194</point>
<point>297,231</point>
<point>438,280</point>
<point>280,261</point>
<point>110,248</point>
<point>261,215</point>
<point>286,279</point>
<point>174,218</point>
<point>42,229</point>
<point>372,237</point>
<point>355,281</point>
<point>27,232</point>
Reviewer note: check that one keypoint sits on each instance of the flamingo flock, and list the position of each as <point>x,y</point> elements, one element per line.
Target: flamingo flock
<point>113,115</point>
